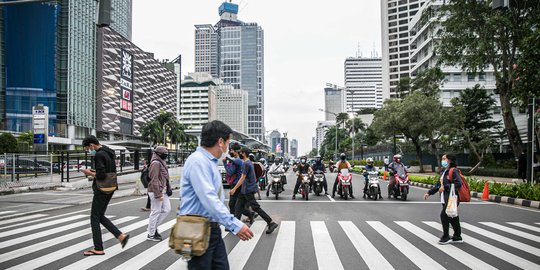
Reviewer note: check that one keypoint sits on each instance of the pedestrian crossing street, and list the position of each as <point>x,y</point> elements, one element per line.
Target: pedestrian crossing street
<point>57,242</point>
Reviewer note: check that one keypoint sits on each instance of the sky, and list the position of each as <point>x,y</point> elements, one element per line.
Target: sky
<point>306,44</point>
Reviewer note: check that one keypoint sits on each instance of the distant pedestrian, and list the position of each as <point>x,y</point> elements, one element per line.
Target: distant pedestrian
<point>443,186</point>
<point>249,186</point>
<point>104,163</point>
<point>386,163</point>
<point>159,190</point>
<point>202,194</point>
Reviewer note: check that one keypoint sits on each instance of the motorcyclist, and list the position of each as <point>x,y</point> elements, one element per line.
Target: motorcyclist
<point>342,164</point>
<point>369,168</point>
<point>302,168</point>
<point>319,166</point>
<point>393,168</point>
<point>277,167</point>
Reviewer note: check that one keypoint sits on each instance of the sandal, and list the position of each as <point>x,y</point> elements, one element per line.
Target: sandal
<point>92,253</point>
<point>124,242</point>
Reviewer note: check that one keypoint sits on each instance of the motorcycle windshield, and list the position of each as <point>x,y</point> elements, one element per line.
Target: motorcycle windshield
<point>345,172</point>
<point>401,172</point>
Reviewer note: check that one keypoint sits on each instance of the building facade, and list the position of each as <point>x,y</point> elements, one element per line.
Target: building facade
<point>275,140</point>
<point>294,148</point>
<point>232,107</point>
<point>334,101</point>
<point>320,132</point>
<point>234,50</point>
<point>198,100</point>
<point>363,83</point>
<point>396,49</point>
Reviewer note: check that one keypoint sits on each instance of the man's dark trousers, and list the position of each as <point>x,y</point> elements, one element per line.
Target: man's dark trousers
<point>246,200</point>
<point>97,216</point>
<point>233,199</point>
<point>215,257</point>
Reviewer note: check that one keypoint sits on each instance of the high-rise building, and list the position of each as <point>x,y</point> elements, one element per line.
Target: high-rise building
<point>232,107</point>
<point>395,17</point>
<point>284,145</point>
<point>334,101</point>
<point>294,148</point>
<point>320,132</point>
<point>198,100</point>
<point>275,139</point>
<point>363,83</point>
<point>53,64</point>
<point>234,50</point>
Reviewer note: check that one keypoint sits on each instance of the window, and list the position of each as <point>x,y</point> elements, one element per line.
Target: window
<point>457,77</point>
<point>471,77</point>
<point>482,76</point>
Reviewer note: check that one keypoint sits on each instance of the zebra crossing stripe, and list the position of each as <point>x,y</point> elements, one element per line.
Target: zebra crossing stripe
<point>283,253</point>
<point>512,231</point>
<point>242,251</point>
<point>145,257</point>
<point>7,212</point>
<point>503,239</point>
<point>371,256</point>
<point>454,252</point>
<point>55,241</point>
<point>41,225</point>
<point>182,265</point>
<point>8,221</point>
<point>411,252</point>
<point>525,226</point>
<point>34,236</point>
<point>117,249</point>
<point>327,257</point>
<point>493,250</point>
<point>59,254</point>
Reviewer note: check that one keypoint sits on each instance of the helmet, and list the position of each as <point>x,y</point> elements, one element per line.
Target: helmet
<point>369,160</point>
<point>262,160</point>
<point>318,159</point>
<point>343,156</point>
<point>277,160</point>
<point>397,157</point>
<point>251,157</point>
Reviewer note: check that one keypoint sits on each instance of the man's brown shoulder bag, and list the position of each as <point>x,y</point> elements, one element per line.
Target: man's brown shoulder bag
<point>190,236</point>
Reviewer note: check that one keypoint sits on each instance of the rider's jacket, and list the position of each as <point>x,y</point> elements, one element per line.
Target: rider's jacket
<point>319,167</point>
<point>278,168</point>
<point>343,165</point>
<point>393,167</point>
<point>302,168</point>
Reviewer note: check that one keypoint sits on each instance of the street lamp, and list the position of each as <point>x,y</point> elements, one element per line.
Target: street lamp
<point>354,134</point>
<point>335,114</point>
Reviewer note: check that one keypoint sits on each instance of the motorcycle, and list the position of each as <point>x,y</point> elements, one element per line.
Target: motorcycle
<point>318,182</point>
<point>374,188</point>
<point>262,182</point>
<point>344,183</point>
<point>277,186</point>
<point>401,188</point>
<point>304,186</point>
<point>286,167</point>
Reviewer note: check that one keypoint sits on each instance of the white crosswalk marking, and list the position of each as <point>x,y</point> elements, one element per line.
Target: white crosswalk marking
<point>142,259</point>
<point>460,255</point>
<point>505,240</point>
<point>44,233</point>
<point>371,256</point>
<point>525,226</point>
<point>13,220</point>
<point>490,249</point>
<point>7,212</point>
<point>283,253</point>
<point>54,241</point>
<point>41,225</point>
<point>241,252</point>
<point>62,253</point>
<point>416,256</point>
<point>116,249</point>
<point>512,231</point>
<point>327,257</point>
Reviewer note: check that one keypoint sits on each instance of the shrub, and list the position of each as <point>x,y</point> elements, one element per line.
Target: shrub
<point>414,162</point>
<point>496,172</point>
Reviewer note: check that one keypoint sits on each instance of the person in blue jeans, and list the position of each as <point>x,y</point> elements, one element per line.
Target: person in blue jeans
<point>201,191</point>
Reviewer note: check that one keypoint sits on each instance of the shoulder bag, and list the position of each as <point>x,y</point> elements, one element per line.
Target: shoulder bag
<point>109,184</point>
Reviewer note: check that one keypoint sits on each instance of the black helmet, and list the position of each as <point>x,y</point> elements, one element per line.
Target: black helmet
<point>343,156</point>
<point>318,159</point>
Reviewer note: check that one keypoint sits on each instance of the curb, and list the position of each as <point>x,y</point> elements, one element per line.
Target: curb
<point>493,198</point>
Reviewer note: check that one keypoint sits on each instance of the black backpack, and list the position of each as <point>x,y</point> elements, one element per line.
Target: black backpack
<point>145,176</point>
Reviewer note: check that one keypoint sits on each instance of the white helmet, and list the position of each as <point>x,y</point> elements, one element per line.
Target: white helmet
<point>369,160</point>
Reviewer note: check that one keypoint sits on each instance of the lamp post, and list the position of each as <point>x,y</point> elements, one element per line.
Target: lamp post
<point>335,114</point>
<point>354,135</point>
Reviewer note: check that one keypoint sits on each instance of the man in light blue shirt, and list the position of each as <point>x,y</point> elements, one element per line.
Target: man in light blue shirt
<point>202,194</point>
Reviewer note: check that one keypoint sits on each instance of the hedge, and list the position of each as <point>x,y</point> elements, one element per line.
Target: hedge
<point>496,172</point>
<point>521,190</point>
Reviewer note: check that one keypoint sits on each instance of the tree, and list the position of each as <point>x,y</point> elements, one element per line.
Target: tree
<point>8,143</point>
<point>152,132</point>
<point>428,81</point>
<point>475,37</point>
<point>475,123</point>
<point>167,121</point>
<point>341,118</point>
<point>403,88</point>
<point>26,138</point>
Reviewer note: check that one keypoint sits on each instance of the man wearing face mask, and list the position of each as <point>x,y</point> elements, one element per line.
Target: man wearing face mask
<point>302,168</point>
<point>159,190</point>
<point>342,164</point>
<point>104,163</point>
<point>394,168</point>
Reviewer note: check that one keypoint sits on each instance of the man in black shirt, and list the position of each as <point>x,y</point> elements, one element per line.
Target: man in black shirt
<point>302,168</point>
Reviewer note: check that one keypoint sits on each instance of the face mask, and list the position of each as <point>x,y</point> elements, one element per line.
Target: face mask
<point>444,163</point>
<point>223,152</point>
<point>91,152</point>
<point>163,156</point>
<point>303,161</point>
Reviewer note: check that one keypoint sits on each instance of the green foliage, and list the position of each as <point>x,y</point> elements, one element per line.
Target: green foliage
<point>428,81</point>
<point>496,172</point>
<point>8,143</point>
<point>26,137</point>
<point>164,126</point>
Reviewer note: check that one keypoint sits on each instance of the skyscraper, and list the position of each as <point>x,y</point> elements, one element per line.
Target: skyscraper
<point>334,101</point>
<point>363,83</point>
<point>294,148</point>
<point>232,107</point>
<point>234,50</point>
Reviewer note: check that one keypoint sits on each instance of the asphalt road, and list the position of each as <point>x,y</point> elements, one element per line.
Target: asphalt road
<point>317,234</point>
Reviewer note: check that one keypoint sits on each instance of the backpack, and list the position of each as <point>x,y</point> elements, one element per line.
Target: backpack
<point>230,178</point>
<point>145,176</point>
<point>464,192</point>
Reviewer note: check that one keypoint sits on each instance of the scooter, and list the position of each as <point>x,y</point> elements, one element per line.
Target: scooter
<point>262,182</point>
<point>344,183</point>
<point>304,186</point>
<point>374,188</point>
<point>401,188</point>
<point>276,187</point>
<point>318,182</point>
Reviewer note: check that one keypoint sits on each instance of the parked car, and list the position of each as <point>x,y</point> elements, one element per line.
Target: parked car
<point>25,166</point>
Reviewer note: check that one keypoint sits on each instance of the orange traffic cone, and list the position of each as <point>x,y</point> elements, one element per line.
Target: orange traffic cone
<point>384,176</point>
<point>485,193</point>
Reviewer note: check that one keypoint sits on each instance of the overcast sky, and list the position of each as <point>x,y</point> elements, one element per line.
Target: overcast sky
<point>306,43</point>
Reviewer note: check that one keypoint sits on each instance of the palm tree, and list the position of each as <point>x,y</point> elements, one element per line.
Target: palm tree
<point>341,118</point>
<point>167,121</point>
<point>152,132</point>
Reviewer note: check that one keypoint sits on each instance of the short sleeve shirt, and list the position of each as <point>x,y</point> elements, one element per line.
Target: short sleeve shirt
<point>250,183</point>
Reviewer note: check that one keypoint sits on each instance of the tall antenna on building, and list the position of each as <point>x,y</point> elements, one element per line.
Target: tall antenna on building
<point>374,53</point>
<point>358,51</point>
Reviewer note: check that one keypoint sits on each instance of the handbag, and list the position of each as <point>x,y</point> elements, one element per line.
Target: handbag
<point>109,184</point>
<point>451,207</point>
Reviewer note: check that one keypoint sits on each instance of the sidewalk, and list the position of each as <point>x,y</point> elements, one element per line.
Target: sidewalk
<point>485,178</point>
